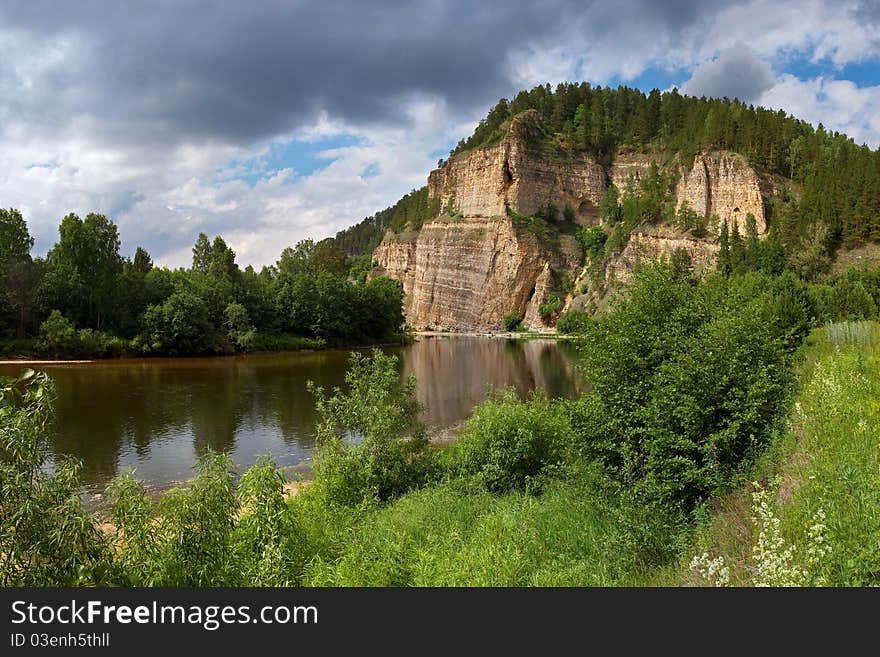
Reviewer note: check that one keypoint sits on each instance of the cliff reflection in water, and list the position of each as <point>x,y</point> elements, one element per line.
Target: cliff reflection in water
<point>454,374</point>
<point>158,415</point>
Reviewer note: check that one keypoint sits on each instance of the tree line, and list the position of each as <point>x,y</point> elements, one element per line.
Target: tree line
<point>85,298</point>
<point>837,182</point>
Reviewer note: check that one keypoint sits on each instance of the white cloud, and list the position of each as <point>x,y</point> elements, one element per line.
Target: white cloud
<point>62,150</point>
<point>839,105</point>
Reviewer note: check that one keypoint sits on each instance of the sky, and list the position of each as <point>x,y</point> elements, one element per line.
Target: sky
<point>269,122</point>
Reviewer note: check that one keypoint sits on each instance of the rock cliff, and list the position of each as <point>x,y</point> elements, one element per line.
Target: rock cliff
<point>723,184</point>
<point>515,174</point>
<point>466,273</point>
<point>477,261</point>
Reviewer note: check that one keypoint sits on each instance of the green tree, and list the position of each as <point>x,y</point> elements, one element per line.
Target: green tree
<point>179,326</point>
<point>201,261</point>
<point>17,272</point>
<point>87,257</point>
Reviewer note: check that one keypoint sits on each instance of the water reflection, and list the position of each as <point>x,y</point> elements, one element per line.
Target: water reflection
<point>158,415</point>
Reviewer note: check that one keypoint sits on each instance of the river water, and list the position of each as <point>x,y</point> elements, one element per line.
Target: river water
<point>158,415</point>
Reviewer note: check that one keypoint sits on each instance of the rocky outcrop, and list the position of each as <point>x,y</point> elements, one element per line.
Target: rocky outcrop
<point>723,184</point>
<point>473,264</point>
<point>630,166</point>
<point>465,273</point>
<point>647,247</point>
<point>485,182</point>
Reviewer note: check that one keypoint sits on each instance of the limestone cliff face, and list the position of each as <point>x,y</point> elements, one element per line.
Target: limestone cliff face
<point>487,181</point>
<point>723,184</point>
<point>633,166</point>
<point>472,265</point>
<point>465,274</point>
<point>647,247</point>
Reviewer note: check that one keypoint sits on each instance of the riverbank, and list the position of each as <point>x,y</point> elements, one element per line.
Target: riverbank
<point>504,335</point>
<point>810,511</point>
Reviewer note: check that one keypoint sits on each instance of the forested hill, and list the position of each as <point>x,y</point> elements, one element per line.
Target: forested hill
<point>837,181</point>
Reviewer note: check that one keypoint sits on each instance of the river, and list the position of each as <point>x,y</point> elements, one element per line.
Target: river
<point>158,415</point>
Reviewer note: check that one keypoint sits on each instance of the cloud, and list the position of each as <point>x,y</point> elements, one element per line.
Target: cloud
<point>735,73</point>
<point>839,105</point>
<point>166,114</point>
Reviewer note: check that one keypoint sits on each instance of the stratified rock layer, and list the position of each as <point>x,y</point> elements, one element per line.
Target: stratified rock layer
<point>723,184</point>
<point>485,182</point>
<point>464,274</point>
<point>471,266</point>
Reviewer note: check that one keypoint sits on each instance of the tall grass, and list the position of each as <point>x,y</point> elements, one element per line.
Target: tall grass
<point>859,334</point>
<point>824,474</point>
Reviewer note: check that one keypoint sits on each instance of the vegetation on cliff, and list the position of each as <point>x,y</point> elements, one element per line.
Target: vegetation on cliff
<point>840,180</point>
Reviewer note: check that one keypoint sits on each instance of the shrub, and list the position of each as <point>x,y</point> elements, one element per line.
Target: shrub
<point>382,413</point>
<point>46,538</point>
<point>511,322</point>
<point>239,330</point>
<point>687,383</point>
<point>574,321</point>
<point>593,241</point>
<point>180,326</point>
<point>508,444</point>
<point>549,309</point>
<point>58,335</point>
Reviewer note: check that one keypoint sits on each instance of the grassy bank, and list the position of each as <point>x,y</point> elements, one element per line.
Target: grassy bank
<point>820,479</point>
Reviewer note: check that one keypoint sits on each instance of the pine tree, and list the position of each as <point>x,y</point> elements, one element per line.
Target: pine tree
<point>724,252</point>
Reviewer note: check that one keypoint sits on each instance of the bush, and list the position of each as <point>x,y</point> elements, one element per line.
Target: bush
<point>593,242</point>
<point>574,321</point>
<point>180,326</point>
<point>511,322</point>
<point>508,444</point>
<point>687,382</point>
<point>549,309</point>
<point>58,335</point>
<point>239,330</point>
<point>381,412</point>
<point>46,538</point>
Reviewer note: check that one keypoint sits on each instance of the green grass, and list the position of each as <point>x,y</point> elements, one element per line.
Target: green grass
<point>828,460</point>
<point>448,536</point>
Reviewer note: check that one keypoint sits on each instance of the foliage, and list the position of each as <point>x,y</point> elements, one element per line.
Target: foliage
<point>574,321</point>
<point>510,445</point>
<point>841,188</point>
<point>550,308</point>
<point>511,322</point>
<point>113,305</point>
<point>46,538</point>
<point>687,382</point>
<point>381,413</point>
<point>592,240</point>
<point>181,325</point>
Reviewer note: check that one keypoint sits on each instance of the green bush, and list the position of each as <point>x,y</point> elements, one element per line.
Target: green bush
<point>392,455</point>
<point>687,383</point>
<point>550,308</point>
<point>511,322</point>
<point>574,321</point>
<point>508,444</point>
<point>58,335</point>
<point>180,326</point>
<point>46,537</point>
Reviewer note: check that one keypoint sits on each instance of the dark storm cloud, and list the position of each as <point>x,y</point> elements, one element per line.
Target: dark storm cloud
<point>239,71</point>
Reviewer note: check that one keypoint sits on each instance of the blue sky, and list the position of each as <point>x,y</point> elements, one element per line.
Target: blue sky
<point>271,122</point>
